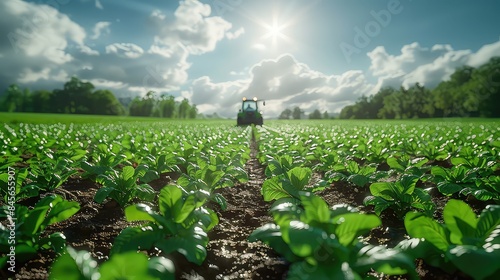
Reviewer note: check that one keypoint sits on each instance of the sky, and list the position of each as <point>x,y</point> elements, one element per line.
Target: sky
<point>314,54</point>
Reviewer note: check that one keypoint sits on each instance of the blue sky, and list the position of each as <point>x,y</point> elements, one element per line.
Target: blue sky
<point>315,54</point>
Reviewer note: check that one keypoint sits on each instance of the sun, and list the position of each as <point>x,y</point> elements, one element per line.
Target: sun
<point>274,30</point>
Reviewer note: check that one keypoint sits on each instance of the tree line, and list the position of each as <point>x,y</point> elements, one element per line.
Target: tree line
<point>79,97</point>
<point>297,114</point>
<point>470,92</point>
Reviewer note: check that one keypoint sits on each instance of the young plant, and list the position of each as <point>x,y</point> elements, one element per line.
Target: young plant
<point>49,175</point>
<point>406,165</point>
<point>352,172</point>
<point>401,196</point>
<point>20,191</point>
<point>454,180</point>
<point>287,184</point>
<point>211,174</point>
<point>322,242</point>
<point>102,164</point>
<point>464,241</point>
<point>180,225</point>
<point>29,226</point>
<point>131,265</point>
<point>122,187</point>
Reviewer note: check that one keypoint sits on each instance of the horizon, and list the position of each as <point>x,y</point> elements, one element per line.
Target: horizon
<point>314,55</point>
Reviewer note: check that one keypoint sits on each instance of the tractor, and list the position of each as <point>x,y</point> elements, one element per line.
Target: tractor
<point>249,112</point>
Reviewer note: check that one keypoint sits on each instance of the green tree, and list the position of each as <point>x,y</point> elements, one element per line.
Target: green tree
<point>167,106</point>
<point>315,115</point>
<point>449,97</point>
<point>105,103</point>
<point>184,108</point>
<point>483,90</point>
<point>347,112</point>
<point>286,114</point>
<point>42,101</point>
<point>13,100</point>
<point>193,112</point>
<point>296,113</point>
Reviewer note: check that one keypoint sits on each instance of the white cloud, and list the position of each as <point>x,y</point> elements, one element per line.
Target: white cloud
<point>100,28</point>
<point>38,31</point>
<point>161,70</point>
<point>193,27</point>
<point>98,5</point>
<point>29,75</point>
<point>125,50</point>
<point>427,66</point>
<point>284,83</point>
<point>484,54</point>
<point>235,34</point>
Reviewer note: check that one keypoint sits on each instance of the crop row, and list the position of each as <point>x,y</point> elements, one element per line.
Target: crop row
<point>400,167</point>
<point>38,160</point>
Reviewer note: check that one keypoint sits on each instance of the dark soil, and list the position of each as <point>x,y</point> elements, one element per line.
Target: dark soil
<point>230,255</point>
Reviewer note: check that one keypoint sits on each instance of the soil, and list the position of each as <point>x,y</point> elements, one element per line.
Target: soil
<point>230,255</point>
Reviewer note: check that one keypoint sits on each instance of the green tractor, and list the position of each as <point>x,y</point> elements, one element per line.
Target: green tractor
<point>249,112</point>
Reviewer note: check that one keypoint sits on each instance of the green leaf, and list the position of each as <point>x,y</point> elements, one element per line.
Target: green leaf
<point>316,209</point>
<point>34,220</point>
<point>127,173</point>
<point>129,265</point>
<point>136,238</point>
<point>460,220</point>
<point>161,268</point>
<point>270,234</point>
<point>145,192</point>
<point>170,198</point>
<point>420,226</point>
<point>139,212</point>
<point>56,241</point>
<point>336,270</point>
<point>382,190</point>
<point>449,188</point>
<point>272,189</point>
<point>474,261</point>
<point>439,172</point>
<point>299,177</point>
<point>61,211</point>
<point>408,183</point>
<point>303,239</point>
<point>102,194</point>
<point>383,260</point>
<point>187,208</point>
<point>220,200</point>
<point>192,244</point>
<point>352,225</point>
<point>149,176</point>
<point>74,265</point>
<point>359,180</point>
<point>488,220</point>
<point>394,163</point>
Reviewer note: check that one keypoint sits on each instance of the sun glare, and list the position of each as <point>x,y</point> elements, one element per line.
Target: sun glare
<point>275,31</point>
<point>274,25</point>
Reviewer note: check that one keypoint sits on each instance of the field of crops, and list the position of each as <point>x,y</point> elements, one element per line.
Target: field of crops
<point>108,198</point>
